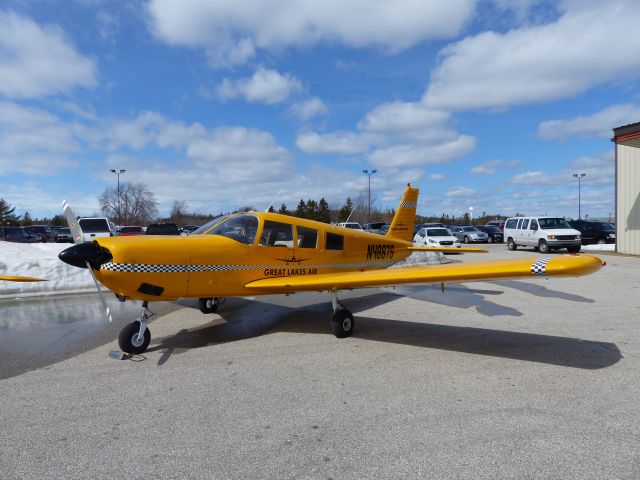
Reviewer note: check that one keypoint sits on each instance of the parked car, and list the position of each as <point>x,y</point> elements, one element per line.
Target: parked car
<point>16,234</point>
<point>97,227</point>
<point>494,233</point>
<point>497,223</point>
<point>384,229</point>
<point>187,229</point>
<point>469,234</point>
<point>543,233</point>
<point>64,235</point>
<point>435,237</point>
<point>373,227</point>
<point>595,232</point>
<point>130,230</point>
<point>43,233</point>
<point>162,229</point>
<point>353,225</point>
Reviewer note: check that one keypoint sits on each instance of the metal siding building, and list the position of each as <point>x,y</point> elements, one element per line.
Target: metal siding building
<point>627,140</point>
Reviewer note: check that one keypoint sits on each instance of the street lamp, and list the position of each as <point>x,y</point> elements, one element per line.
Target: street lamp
<point>366,172</point>
<point>118,173</point>
<point>471,215</point>
<point>579,176</point>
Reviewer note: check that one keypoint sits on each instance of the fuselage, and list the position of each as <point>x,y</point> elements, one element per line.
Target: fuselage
<point>243,248</point>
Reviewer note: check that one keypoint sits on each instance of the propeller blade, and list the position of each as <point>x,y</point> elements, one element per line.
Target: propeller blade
<point>104,302</point>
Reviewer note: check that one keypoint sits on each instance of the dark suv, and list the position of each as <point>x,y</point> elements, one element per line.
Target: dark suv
<point>595,232</point>
<point>162,229</point>
<point>42,232</point>
<point>16,234</point>
<point>495,234</point>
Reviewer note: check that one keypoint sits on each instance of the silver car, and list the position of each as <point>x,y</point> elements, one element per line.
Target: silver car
<point>469,234</point>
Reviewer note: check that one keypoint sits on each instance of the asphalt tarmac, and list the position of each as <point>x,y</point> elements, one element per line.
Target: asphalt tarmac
<point>510,379</point>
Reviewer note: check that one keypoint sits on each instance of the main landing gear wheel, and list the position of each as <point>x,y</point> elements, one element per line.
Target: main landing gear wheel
<point>342,323</point>
<point>130,340</point>
<point>209,305</point>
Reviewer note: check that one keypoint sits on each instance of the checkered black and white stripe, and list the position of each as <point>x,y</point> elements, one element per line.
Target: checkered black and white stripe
<point>151,268</point>
<point>409,205</point>
<point>540,266</point>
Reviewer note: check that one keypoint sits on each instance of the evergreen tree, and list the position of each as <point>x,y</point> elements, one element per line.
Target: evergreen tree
<point>7,217</point>
<point>324,213</point>
<point>312,210</point>
<point>283,210</point>
<point>26,219</point>
<point>301,211</point>
<point>345,211</point>
<point>271,209</point>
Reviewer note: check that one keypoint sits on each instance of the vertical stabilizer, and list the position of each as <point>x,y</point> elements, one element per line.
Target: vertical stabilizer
<point>72,221</point>
<point>405,217</point>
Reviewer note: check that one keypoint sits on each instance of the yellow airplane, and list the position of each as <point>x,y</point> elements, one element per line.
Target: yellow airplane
<point>259,253</point>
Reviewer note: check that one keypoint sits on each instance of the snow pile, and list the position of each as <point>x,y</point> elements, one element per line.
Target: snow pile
<point>607,247</point>
<point>40,260</point>
<point>422,258</point>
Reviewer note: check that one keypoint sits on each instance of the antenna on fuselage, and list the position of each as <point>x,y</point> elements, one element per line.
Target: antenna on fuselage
<point>274,199</point>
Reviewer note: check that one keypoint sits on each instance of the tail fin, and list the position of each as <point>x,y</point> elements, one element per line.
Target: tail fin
<point>405,217</point>
<point>74,226</point>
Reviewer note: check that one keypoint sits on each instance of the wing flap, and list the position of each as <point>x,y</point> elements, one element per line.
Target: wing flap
<point>559,265</point>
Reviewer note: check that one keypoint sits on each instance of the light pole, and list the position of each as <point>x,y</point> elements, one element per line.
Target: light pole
<point>366,172</point>
<point>579,176</point>
<point>471,215</point>
<point>118,173</point>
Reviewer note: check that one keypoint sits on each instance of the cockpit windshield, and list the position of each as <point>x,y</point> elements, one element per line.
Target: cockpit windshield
<point>208,225</point>
<point>241,228</point>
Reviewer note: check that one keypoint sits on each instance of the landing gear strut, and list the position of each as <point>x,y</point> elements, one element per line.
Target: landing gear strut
<point>135,337</point>
<point>342,322</point>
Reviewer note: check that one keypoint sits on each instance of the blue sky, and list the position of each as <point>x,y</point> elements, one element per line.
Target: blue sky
<point>490,104</point>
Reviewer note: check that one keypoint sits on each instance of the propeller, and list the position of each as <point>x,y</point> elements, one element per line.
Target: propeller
<point>104,301</point>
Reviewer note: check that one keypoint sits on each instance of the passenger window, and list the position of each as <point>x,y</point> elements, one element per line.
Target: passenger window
<point>511,223</point>
<point>307,237</point>
<point>519,223</point>
<point>276,234</point>
<point>334,242</point>
<point>525,224</point>
<point>534,225</point>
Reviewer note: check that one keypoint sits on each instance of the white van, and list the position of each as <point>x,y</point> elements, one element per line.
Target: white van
<point>543,233</point>
<point>96,228</point>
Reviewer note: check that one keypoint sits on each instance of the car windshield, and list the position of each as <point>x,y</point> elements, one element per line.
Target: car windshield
<point>553,223</point>
<point>65,230</point>
<point>94,225</point>
<point>470,229</point>
<point>131,230</point>
<point>438,232</point>
<point>605,226</point>
<point>241,228</point>
<point>208,225</point>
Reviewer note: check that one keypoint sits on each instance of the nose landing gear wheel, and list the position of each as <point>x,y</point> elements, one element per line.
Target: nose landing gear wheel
<point>209,305</point>
<point>130,341</point>
<point>342,323</point>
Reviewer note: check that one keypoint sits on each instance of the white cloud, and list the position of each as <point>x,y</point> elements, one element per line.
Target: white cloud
<point>338,143</point>
<point>580,50</point>
<point>488,168</point>
<point>460,192</point>
<point>308,109</point>
<point>405,155</point>
<point>36,61</point>
<point>436,177</point>
<point>265,86</point>
<point>599,124</point>
<point>232,31</point>
<point>600,170</point>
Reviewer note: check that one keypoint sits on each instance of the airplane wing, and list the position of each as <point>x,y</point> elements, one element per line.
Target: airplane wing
<point>559,265</point>
<point>448,249</point>
<point>20,278</point>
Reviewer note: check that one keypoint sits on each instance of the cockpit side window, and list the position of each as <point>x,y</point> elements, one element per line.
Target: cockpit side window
<point>334,242</point>
<point>241,228</point>
<point>307,237</point>
<point>276,234</point>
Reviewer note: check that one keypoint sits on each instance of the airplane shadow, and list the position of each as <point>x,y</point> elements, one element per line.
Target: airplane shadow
<point>243,319</point>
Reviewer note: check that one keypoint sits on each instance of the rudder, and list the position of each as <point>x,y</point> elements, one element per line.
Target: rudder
<point>405,217</point>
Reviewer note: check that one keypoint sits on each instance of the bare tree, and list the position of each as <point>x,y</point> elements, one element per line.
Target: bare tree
<point>136,205</point>
<point>178,212</point>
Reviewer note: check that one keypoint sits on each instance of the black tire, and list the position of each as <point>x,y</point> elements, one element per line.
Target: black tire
<point>489,239</point>
<point>127,340</point>
<point>511,245</point>
<point>543,247</point>
<point>465,239</point>
<point>208,305</point>
<point>601,241</point>
<point>573,249</point>
<point>342,323</point>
